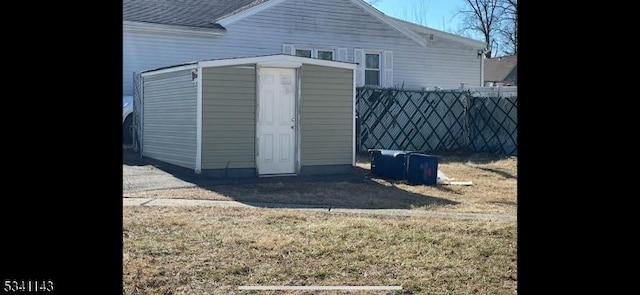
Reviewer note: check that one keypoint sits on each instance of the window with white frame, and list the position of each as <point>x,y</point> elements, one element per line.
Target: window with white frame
<point>304,52</point>
<point>372,69</point>
<point>375,67</point>
<point>324,54</point>
<point>312,52</point>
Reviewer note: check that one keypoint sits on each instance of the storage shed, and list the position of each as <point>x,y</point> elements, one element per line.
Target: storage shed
<point>251,116</point>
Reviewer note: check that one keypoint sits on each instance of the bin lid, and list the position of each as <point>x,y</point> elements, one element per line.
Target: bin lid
<point>391,152</point>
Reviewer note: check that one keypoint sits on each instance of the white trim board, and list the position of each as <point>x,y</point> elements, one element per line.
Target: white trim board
<point>169,69</point>
<point>353,117</point>
<point>198,165</point>
<point>279,64</point>
<point>440,34</point>
<point>256,157</point>
<point>278,59</point>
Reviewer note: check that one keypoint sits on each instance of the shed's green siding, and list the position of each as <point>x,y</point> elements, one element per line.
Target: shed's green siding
<point>169,124</point>
<point>228,117</point>
<point>326,116</point>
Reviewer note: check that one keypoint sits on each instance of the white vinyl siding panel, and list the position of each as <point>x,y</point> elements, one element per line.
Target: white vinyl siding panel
<point>228,117</point>
<point>320,24</point>
<point>339,23</point>
<point>169,123</point>
<point>147,51</point>
<point>326,117</point>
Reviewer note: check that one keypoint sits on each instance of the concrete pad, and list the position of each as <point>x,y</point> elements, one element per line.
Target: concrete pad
<point>199,203</point>
<point>294,207</point>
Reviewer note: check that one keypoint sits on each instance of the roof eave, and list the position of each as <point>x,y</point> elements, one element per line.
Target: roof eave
<point>466,40</point>
<point>387,20</point>
<point>136,26</point>
<point>235,16</point>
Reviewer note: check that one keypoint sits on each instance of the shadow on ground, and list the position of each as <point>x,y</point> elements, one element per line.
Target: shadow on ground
<point>499,172</point>
<point>466,156</point>
<point>454,156</point>
<point>133,158</point>
<point>357,190</point>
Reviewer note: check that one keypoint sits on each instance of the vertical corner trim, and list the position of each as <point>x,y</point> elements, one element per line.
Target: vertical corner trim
<point>141,131</point>
<point>353,117</point>
<point>298,111</point>
<point>257,120</point>
<point>198,163</point>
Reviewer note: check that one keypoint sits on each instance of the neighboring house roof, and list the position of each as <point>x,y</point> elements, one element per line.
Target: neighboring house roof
<point>501,69</point>
<point>189,13</point>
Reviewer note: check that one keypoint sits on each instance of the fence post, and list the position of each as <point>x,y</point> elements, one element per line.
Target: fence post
<point>467,125</point>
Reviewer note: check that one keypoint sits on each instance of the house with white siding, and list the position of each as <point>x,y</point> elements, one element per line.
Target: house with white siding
<point>389,52</point>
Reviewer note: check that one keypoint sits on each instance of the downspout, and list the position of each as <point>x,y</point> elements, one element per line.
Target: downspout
<point>481,53</point>
<point>482,70</point>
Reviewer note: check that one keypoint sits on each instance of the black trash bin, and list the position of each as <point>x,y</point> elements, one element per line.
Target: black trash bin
<point>422,169</point>
<point>389,163</point>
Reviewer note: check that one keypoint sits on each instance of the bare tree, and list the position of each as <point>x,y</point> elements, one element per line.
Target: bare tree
<point>483,17</point>
<point>495,20</point>
<point>508,28</point>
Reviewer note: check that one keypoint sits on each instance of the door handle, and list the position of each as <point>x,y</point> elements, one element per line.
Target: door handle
<point>293,126</point>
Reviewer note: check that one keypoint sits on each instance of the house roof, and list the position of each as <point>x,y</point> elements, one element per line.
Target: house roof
<point>498,69</point>
<point>207,13</point>
<point>189,13</point>
<point>426,31</point>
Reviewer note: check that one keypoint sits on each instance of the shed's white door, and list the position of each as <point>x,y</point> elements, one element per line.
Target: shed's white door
<point>276,126</point>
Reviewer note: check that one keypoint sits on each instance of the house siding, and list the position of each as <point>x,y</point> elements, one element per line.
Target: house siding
<point>321,24</point>
<point>147,51</point>
<point>341,24</point>
<point>228,117</point>
<point>169,123</point>
<point>326,116</point>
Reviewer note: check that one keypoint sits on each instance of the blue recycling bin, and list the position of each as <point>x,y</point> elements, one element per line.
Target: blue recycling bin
<point>389,163</point>
<point>422,169</point>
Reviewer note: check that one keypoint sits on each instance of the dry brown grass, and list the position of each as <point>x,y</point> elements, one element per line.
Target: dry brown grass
<point>493,190</point>
<point>177,250</point>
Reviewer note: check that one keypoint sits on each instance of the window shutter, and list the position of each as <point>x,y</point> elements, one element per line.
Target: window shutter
<point>287,49</point>
<point>358,57</point>
<point>342,54</point>
<point>388,69</point>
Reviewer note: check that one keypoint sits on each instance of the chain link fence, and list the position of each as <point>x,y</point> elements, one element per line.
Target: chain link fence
<point>431,121</point>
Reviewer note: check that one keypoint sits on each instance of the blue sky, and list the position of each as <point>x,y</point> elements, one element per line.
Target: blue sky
<point>436,14</point>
